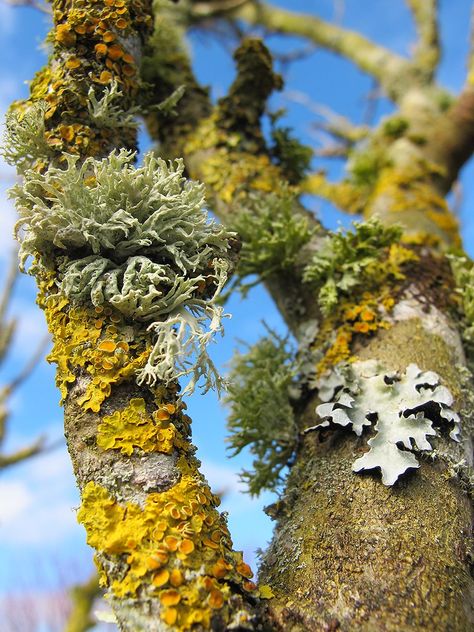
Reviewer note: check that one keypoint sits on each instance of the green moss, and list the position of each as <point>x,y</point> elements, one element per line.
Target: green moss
<point>395,126</point>
<point>290,155</point>
<point>365,165</point>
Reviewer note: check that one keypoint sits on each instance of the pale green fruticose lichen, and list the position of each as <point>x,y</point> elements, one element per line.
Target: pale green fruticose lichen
<point>262,416</point>
<point>273,235</point>
<point>463,272</point>
<point>24,138</point>
<point>138,239</point>
<point>107,111</point>
<point>401,408</point>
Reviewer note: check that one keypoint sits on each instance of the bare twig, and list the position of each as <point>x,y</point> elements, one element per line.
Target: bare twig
<point>333,123</point>
<point>34,4</point>
<point>22,454</point>
<point>12,276</point>
<point>30,365</point>
<point>83,597</point>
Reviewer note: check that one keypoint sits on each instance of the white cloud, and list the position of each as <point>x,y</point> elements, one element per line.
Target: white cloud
<point>38,507</point>
<point>15,499</point>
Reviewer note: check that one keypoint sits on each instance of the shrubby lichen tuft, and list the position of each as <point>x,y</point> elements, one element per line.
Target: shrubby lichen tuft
<point>273,235</point>
<point>400,407</point>
<point>262,417</point>
<point>345,260</point>
<point>463,272</point>
<point>24,139</point>
<point>290,155</point>
<point>107,111</point>
<point>137,239</point>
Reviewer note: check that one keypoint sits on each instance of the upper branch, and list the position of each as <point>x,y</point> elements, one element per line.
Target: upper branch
<point>393,72</point>
<point>427,51</point>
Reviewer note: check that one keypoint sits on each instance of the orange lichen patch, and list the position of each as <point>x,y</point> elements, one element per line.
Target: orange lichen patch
<point>216,599</point>
<point>192,580</point>
<point>64,35</point>
<point>107,345</point>
<point>350,320</point>
<point>105,77</point>
<point>100,49</point>
<point>73,62</point>
<point>135,428</point>
<point>170,597</point>
<point>244,569</point>
<point>115,52</point>
<point>220,568</point>
<point>169,615</point>
<point>79,344</point>
<point>121,23</point>
<point>162,415</point>
<point>176,578</point>
<point>186,547</point>
<point>82,34</point>
<point>161,578</point>
<point>171,542</point>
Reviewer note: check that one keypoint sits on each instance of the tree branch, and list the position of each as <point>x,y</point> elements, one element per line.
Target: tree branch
<point>83,597</point>
<point>427,51</point>
<point>393,72</point>
<point>452,141</point>
<point>22,454</point>
<point>332,122</point>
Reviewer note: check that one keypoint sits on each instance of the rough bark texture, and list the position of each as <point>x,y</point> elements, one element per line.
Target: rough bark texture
<point>351,554</point>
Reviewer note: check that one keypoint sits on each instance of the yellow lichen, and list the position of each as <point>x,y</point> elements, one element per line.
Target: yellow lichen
<point>133,427</point>
<point>177,543</point>
<point>82,342</point>
<point>412,191</point>
<point>350,320</point>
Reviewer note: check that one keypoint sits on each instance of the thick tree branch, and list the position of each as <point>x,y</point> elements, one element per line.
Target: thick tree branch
<point>427,51</point>
<point>451,142</point>
<point>394,73</point>
<point>225,148</point>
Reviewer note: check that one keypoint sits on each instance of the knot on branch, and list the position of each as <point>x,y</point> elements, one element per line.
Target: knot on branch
<point>240,111</point>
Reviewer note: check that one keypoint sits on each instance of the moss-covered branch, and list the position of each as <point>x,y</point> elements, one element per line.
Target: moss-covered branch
<point>224,147</point>
<point>427,51</point>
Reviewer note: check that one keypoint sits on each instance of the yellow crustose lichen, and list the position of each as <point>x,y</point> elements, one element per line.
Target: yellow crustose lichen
<point>177,545</point>
<point>91,339</point>
<point>133,427</point>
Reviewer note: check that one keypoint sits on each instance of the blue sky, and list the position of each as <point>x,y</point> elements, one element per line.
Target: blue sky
<point>41,545</point>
